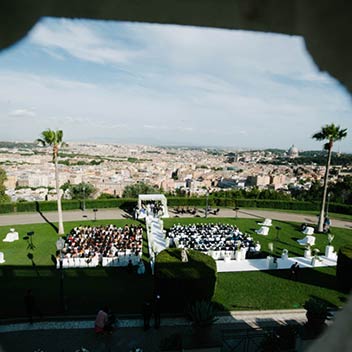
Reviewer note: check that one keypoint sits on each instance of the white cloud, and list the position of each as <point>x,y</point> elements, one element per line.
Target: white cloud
<point>22,113</point>
<point>172,85</point>
<point>76,38</point>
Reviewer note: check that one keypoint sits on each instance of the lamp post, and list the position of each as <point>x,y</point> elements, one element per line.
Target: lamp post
<point>95,214</point>
<point>60,243</point>
<point>207,204</point>
<point>327,205</point>
<point>84,198</point>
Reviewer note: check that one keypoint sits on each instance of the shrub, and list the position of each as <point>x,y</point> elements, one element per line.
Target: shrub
<point>7,208</point>
<point>26,206</point>
<point>344,267</point>
<point>181,283</point>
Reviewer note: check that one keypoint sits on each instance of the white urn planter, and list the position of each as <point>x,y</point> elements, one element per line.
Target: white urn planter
<point>329,251</point>
<point>238,255</point>
<point>270,261</point>
<point>284,255</point>
<point>307,253</point>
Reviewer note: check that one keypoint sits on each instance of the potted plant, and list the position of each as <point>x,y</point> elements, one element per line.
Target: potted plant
<point>203,315</point>
<point>316,313</point>
<point>329,249</point>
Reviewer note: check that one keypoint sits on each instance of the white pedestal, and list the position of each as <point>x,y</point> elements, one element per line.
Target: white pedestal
<point>307,253</point>
<point>161,222</point>
<point>2,260</point>
<point>243,253</point>
<point>313,262</point>
<point>329,251</point>
<point>227,259</point>
<point>284,256</point>
<point>269,261</point>
<point>238,255</point>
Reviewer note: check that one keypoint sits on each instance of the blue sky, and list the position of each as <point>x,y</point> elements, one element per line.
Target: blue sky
<point>119,82</point>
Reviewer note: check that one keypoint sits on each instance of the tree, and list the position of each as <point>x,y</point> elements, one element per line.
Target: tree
<point>132,191</point>
<point>54,139</point>
<point>82,190</point>
<point>3,178</point>
<point>331,133</point>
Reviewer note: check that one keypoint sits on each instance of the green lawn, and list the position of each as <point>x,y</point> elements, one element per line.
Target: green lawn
<point>87,289</point>
<point>332,216</point>
<point>274,290</point>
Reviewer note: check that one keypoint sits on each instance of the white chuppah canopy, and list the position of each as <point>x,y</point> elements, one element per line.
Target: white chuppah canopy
<point>154,197</point>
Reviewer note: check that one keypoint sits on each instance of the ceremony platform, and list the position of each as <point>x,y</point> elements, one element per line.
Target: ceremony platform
<point>263,264</point>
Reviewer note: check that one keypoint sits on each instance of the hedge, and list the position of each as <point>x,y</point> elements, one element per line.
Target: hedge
<point>129,203</point>
<point>182,283</point>
<point>344,268</point>
<point>7,208</point>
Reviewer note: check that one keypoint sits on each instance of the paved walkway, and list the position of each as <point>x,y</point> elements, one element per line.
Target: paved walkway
<point>76,215</point>
<point>70,335</point>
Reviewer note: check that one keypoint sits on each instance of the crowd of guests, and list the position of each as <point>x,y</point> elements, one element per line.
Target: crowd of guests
<point>103,241</point>
<point>211,237</point>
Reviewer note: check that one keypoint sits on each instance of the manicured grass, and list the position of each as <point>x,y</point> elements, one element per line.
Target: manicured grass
<point>332,216</point>
<point>87,289</point>
<point>274,290</point>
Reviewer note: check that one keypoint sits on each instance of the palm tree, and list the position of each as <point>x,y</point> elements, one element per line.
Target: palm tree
<point>54,139</point>
<point>331,133</point>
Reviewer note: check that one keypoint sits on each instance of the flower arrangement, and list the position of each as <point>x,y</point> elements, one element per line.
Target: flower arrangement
<point>271,247</point>
<point>315,256</point>
<point>330,238</point>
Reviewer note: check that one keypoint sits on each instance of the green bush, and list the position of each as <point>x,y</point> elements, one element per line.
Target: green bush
<point>26,206</point>
<point>344,267</point>
<point>7,208</point>
<point>182,283</point>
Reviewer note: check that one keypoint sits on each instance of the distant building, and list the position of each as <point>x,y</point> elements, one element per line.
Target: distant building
<point>293,152</point>
<point>259,181</point>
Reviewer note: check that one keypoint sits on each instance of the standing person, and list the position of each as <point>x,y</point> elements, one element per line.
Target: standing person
<point>294,271</point>
<point>29,302</point>
<point>101,320</point>
<point>157,312</point>
<point>147,314</point>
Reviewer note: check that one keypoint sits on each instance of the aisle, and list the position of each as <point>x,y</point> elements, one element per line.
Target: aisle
<point>159,242</point>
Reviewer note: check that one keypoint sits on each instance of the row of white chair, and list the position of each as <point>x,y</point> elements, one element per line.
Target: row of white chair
<point>121,261</point>
<point>77,263</point>
<point>93,262</point>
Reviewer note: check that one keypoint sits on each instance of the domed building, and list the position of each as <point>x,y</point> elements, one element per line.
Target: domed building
<point>293,152</point>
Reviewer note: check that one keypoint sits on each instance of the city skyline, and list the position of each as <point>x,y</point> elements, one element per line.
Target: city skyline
<point>124,83</point>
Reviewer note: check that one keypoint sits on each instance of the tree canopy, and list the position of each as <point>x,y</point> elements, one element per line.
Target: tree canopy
<point>132,191</point>
<point>3,178</point>
<point>80,191</point>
